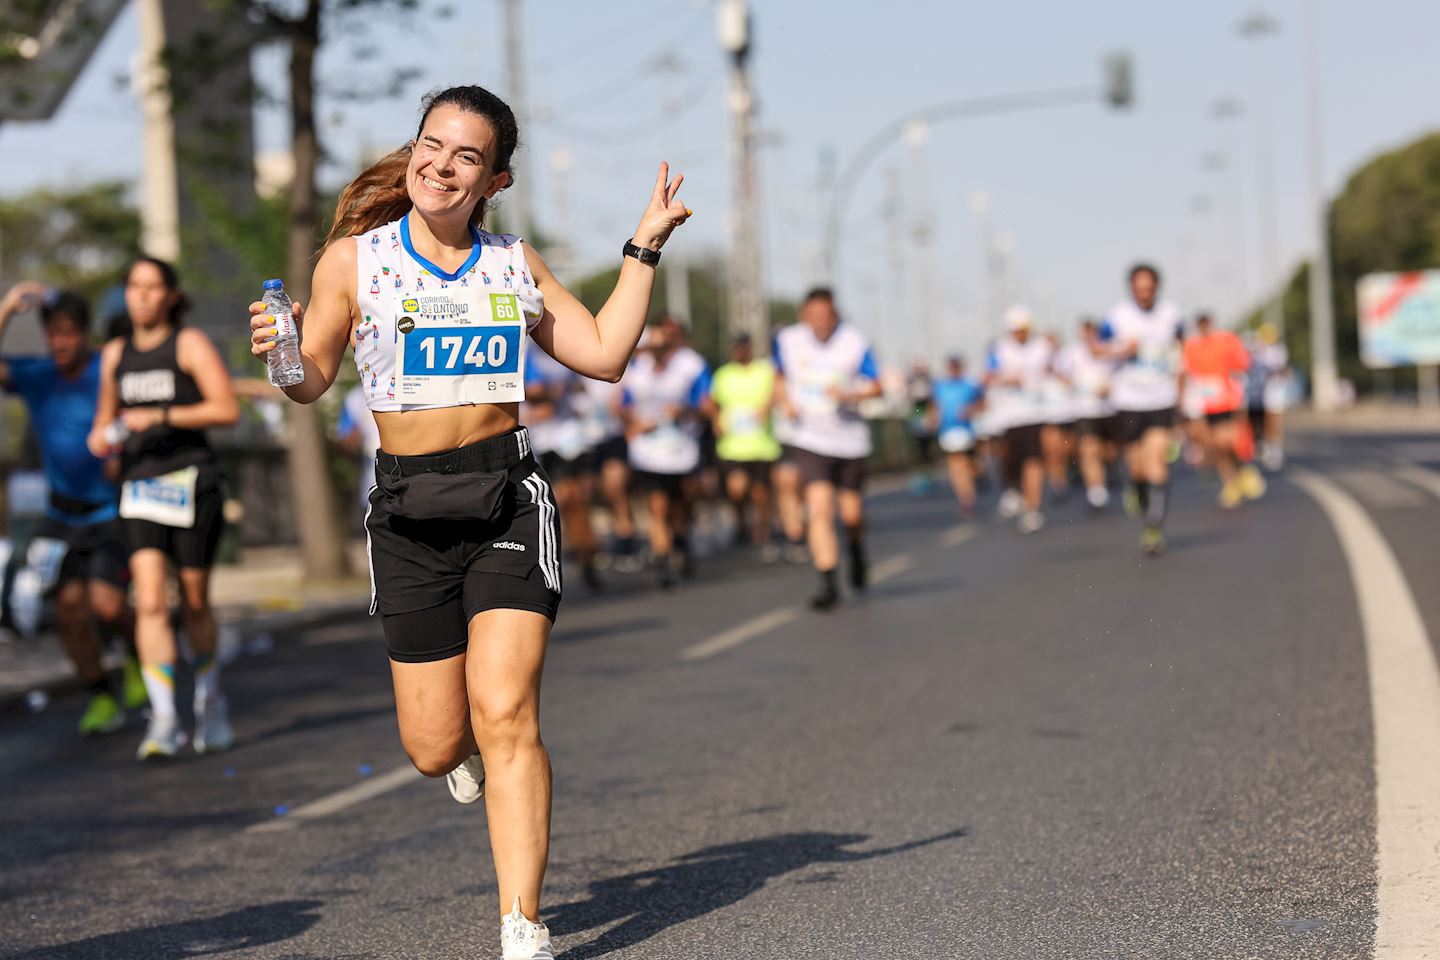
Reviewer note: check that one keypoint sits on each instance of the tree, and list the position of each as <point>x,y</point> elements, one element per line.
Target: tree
<point>304,25</point>
<point>79,238</point>
<point>1387,218</point>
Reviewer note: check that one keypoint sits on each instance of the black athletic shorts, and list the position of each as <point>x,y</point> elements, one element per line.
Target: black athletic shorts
<point>845,473</point>
<point>1134,424</point>
<point>1024,442</point>
<point>193,547</point>
<point>456,533</point>
<point>670,484</point>
<point>756,471</point>
<point>1229,416</point>
<point>1105,428</point>
<point>616,448</point>
<point>558,468</point>
<point>95,551</point>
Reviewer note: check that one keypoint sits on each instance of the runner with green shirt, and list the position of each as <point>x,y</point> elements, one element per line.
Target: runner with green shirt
<point>742,395</point>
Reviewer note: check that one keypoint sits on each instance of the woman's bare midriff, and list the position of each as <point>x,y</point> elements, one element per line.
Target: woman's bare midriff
<point>408,433</point>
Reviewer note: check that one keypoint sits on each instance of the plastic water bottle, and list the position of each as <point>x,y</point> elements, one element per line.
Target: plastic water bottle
<point>285,366</point>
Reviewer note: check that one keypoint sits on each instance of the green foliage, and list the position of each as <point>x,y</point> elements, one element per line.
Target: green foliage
<point>79,238</point>
<point>1386,219</point>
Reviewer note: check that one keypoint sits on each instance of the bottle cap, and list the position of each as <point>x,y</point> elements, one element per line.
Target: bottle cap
<point>274,284</point>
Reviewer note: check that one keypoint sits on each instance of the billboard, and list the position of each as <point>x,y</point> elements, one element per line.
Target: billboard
<point>1399,318</point>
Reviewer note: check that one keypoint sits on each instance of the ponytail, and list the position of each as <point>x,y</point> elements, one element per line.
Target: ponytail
<point>374,198</point>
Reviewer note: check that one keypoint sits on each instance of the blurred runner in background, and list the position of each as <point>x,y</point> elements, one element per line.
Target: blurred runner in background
<point>557,436</point>
<point>91,579</point>
<point>1057,438</point>
<point>1019,364</point>
<point>1145,334</point>
<point>600,405</point>
<point>359,437</point>
<point>825,369</point>
<point>165,385</point>
<point>1083,363</point>
<point>1268,390</point>
<point>957,399</point>
<point>742,397</point>
<point>665,387</point>
<point>919,395</point>
<point>1216,363</point>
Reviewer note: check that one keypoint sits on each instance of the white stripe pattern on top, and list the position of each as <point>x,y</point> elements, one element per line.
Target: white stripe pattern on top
<point>545,532</point>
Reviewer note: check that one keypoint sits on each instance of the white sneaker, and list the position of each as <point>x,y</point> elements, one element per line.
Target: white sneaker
<point>162,738</point>
<point>1030,521</point>
<point>1099,497</point>
<point>212,726</point>
<point>522,940</point>
<point>1010,504</point>
<point>467,781</point>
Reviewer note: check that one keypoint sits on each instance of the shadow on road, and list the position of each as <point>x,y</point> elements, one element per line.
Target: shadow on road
<point>597,631</point>
<point>652,900</point>
<point>242,929</point>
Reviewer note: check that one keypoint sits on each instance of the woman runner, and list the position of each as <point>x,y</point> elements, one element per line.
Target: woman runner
<point>462,528</point>
<point>166,385</point>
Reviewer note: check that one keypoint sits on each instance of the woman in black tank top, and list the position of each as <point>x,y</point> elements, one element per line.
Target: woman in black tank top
<point>160,389</point>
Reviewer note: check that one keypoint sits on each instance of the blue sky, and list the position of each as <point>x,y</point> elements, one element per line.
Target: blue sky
<point>1083,191</point>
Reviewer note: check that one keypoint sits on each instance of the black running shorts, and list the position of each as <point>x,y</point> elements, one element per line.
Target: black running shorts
<point>189,548</point>
<point>95,551</point>
<point>844,473</point>
<point>756,471</point>
<point>453,534</point>
<point>1134,424</point>
<point>1024,442</point>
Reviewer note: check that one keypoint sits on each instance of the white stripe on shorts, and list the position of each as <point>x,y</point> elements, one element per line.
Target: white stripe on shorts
<point>545,531</point>
<point>369,557</point>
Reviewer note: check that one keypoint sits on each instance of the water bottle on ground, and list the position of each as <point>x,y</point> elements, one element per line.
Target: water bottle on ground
<point>285,366</point>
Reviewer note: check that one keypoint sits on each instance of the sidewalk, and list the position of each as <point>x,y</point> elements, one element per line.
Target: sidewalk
<point>266,593</point>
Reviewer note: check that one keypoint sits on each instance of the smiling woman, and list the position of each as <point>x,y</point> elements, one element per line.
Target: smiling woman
<point>462,527</point>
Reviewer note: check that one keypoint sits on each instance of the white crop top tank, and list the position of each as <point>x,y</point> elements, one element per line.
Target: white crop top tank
<point>428,338</point>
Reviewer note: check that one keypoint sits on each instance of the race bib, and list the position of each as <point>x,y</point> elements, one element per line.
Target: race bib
<point>956,440</point>
<point>459,345</point>
<point>168,500</point>
<point>743,422</point>
<point>668,440</point>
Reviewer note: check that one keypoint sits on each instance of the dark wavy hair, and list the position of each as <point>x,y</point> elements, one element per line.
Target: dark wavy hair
<point>378,195</point>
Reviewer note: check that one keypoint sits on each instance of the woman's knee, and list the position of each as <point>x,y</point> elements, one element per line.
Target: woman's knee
<point>433,753</point>
<point>505,722</point>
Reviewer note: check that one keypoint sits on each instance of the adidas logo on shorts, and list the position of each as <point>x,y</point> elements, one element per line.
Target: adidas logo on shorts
<point>508,545</point>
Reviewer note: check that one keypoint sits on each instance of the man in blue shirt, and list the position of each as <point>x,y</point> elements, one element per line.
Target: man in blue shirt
<point>60,392</point>
<point>955,400</point>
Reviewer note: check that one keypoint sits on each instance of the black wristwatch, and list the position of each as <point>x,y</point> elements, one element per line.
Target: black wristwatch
<point>643,254</point>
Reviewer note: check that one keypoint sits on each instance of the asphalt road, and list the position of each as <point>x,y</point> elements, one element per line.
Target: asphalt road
<point>1012,747</point>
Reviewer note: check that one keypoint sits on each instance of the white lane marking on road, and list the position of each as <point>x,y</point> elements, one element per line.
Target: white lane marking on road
<point>958,535</point>
<point>740,633</point>
<point>339,800</point>
<point>1405,701</point>
<point>1377,488</point>
<point>891,567</point>
<point>1422,477</point>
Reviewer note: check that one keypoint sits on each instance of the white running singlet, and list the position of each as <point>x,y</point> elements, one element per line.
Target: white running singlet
<point>388,273</point>
<point>811,369</point>
<point>1150,379</point>
<point>1019,404</point>
<point>672,446</point>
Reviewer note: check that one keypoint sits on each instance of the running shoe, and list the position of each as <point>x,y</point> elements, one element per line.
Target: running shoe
<point>826,598</point>
<point>467,781</point>
<point>520,939</point>
<point>1030,521</point>
<point>1098,498</point>
<point>1231,495</point>
<point>1152,541</point>
<point>1272,457</point>
<point>102,715</point>
<point>1010,505</point>
<point>132,685</point>
<point>859,567</point>
<point>797,553</point>
<point>162,738</point>
<point>1251,482</point>
<point>669,578</point>
<point>212,727</point>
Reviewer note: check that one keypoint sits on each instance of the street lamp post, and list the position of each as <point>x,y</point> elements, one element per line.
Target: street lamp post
<point>746,301</point>
<point>1324,377</point>
<point>1257,26</point>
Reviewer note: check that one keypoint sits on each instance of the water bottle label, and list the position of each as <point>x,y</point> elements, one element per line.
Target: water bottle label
<point>284,324</point>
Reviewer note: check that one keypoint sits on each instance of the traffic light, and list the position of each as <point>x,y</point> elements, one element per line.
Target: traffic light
<point>1119,80</point>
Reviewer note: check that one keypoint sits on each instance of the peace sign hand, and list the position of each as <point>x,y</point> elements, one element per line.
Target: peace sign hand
<point>664,213</point>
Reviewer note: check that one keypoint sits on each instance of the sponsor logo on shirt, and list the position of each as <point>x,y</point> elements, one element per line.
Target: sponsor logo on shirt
<point>508,545</point>
<point>147,386</point>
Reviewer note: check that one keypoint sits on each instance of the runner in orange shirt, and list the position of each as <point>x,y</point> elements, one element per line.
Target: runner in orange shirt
<point>1215,361</point>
